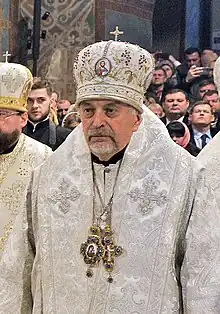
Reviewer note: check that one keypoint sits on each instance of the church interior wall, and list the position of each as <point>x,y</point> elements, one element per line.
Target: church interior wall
<point>133,17</point>
<point>8,26</point>
<point>69,28</point>
<point>169,26</point>
<point>215,25</point>
<point>72,25</point>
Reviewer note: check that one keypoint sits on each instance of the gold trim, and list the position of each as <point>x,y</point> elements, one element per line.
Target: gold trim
<point>7,160</point>
<point>13,103</point>
<point>4,238</point>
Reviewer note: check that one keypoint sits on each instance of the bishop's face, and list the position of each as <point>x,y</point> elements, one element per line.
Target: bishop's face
<point>11,125</point>
<point>108,126</point>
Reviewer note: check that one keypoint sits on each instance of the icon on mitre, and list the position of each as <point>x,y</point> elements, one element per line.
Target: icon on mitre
<point>103,67</point>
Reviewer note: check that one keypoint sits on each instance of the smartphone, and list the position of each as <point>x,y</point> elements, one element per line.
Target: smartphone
<point>207,71</point>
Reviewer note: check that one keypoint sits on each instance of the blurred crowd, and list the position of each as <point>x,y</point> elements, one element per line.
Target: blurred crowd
<point>184,96</point>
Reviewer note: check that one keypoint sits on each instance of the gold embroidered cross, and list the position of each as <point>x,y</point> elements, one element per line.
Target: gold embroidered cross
<point>116,33</point>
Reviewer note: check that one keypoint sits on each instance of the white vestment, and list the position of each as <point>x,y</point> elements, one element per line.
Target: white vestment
<point>15,173</point>
<point>201,266</point>
<point>42,270</point>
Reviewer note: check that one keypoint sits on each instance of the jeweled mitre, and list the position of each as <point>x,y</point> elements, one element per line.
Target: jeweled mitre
<point>113,70</point>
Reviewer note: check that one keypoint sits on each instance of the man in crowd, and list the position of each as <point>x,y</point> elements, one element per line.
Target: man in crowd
<point>201,117</point>
<point>192,61</point>
<point>205,86</point>
<point>213,99</point>
<point>19,154</point>
<point>191,72</point>
<point>118,171</point>
<point>175,105</point>
<point>63,107</point>
<point>156,87</point>
<point>39,126</point>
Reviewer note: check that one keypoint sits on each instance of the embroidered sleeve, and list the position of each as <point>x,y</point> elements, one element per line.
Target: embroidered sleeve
<point>200,276</point>
<point>16,266</point>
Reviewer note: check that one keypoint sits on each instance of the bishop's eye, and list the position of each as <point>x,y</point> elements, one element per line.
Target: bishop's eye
<point>111,111</point>
<point>88,112</point>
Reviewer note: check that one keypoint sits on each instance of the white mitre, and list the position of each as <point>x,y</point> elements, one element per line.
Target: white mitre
<point>113,70</point>
<point>15,84</point>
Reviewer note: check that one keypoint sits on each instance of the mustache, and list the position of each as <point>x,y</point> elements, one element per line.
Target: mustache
<point>97,133</point>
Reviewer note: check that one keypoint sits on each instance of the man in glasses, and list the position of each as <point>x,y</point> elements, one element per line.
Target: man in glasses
<point>19,154</point>
<point>201,130</point>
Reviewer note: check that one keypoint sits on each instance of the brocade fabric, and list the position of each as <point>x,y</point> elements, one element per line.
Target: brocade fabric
<point>42,270</point>
<point>15,173</point>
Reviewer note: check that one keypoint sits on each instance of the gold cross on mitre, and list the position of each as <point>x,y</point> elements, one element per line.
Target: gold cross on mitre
<point>6,55</point>
<point>116,33</point>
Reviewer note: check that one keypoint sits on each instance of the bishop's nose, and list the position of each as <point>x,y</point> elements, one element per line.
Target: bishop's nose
<point>99,119</point>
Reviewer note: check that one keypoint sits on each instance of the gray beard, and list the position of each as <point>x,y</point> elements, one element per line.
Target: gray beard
<point>8,140</point>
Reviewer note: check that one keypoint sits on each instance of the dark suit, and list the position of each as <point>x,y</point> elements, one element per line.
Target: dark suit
<point>217,126</point>
<point>213,132</point>
<point>47,133</point>
<point>193,149</point>
<point>185,119</point>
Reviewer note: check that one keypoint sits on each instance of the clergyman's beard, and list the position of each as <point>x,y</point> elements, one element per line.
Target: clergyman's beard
<point>8,140</point>
<point>103,150</point>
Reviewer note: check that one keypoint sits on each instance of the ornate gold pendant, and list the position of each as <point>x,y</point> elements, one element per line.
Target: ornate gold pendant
<point>111,251</point>
<point>92,250</point>
<point>100,246</point>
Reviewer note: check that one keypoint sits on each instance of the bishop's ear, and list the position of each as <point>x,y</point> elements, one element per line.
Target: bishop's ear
<point>137,122</point>
<point>23,119</point>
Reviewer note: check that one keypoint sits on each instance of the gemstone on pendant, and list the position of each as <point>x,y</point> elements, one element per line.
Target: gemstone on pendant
<point>110,279</point>
<point>118,250</point>
<point>89,273</point>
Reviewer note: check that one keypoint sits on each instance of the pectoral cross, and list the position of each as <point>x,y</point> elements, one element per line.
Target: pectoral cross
<point>111,251</point>
<point>116,33</point>
<point>6,55</point>
<point>100,246</point>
